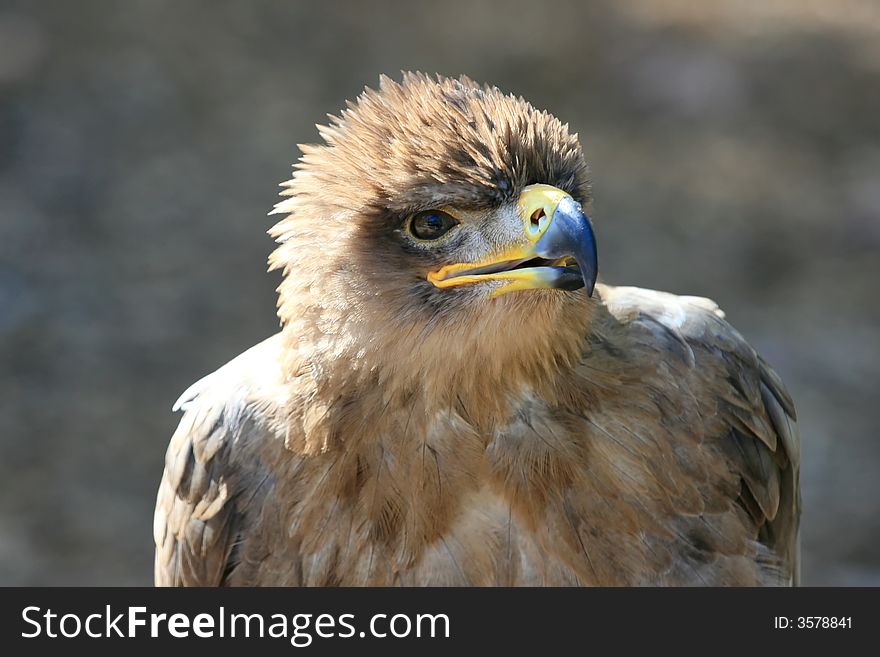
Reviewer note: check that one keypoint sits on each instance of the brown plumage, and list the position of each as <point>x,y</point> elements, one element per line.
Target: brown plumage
<point>399,431</point>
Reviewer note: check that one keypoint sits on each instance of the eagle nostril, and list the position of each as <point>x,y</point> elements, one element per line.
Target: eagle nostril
<point>536,217</point>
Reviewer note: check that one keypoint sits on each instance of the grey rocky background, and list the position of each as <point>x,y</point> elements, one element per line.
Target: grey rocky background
<point>735,153</point>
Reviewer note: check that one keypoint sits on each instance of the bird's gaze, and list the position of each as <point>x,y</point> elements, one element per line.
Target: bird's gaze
<point>431,224</point>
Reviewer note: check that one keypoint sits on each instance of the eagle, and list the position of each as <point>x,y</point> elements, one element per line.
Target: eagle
<point>454,400</point>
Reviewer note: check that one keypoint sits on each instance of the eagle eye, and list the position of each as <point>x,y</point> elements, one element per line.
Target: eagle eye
<point>431,224</point>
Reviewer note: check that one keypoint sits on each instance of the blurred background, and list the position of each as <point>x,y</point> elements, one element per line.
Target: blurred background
<point>735,149</point>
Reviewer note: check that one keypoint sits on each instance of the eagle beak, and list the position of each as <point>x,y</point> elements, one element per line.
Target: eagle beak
<point>558,249</point>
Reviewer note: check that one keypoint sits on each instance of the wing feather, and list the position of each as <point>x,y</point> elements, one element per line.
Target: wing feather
<point>195,522</point>
<point>754,427</point>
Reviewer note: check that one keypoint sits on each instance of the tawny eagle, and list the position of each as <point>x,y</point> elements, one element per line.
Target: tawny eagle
<point>453,400</point>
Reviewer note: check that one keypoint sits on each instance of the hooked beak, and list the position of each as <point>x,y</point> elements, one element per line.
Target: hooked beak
<point>558,249</point>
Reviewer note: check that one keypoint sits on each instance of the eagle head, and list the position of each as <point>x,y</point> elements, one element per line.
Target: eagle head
<point>436,240</point>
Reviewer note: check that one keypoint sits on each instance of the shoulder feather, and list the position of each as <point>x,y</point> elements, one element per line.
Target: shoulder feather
<point>201,506</point>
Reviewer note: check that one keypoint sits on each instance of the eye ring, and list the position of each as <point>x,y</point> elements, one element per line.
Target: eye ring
<point>431,225</point>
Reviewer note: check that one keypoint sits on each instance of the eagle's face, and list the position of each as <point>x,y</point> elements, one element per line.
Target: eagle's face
<point>435,204</point>
<point>542,240</point>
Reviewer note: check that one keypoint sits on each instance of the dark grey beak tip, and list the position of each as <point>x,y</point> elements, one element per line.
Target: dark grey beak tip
<point>571,234</point>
